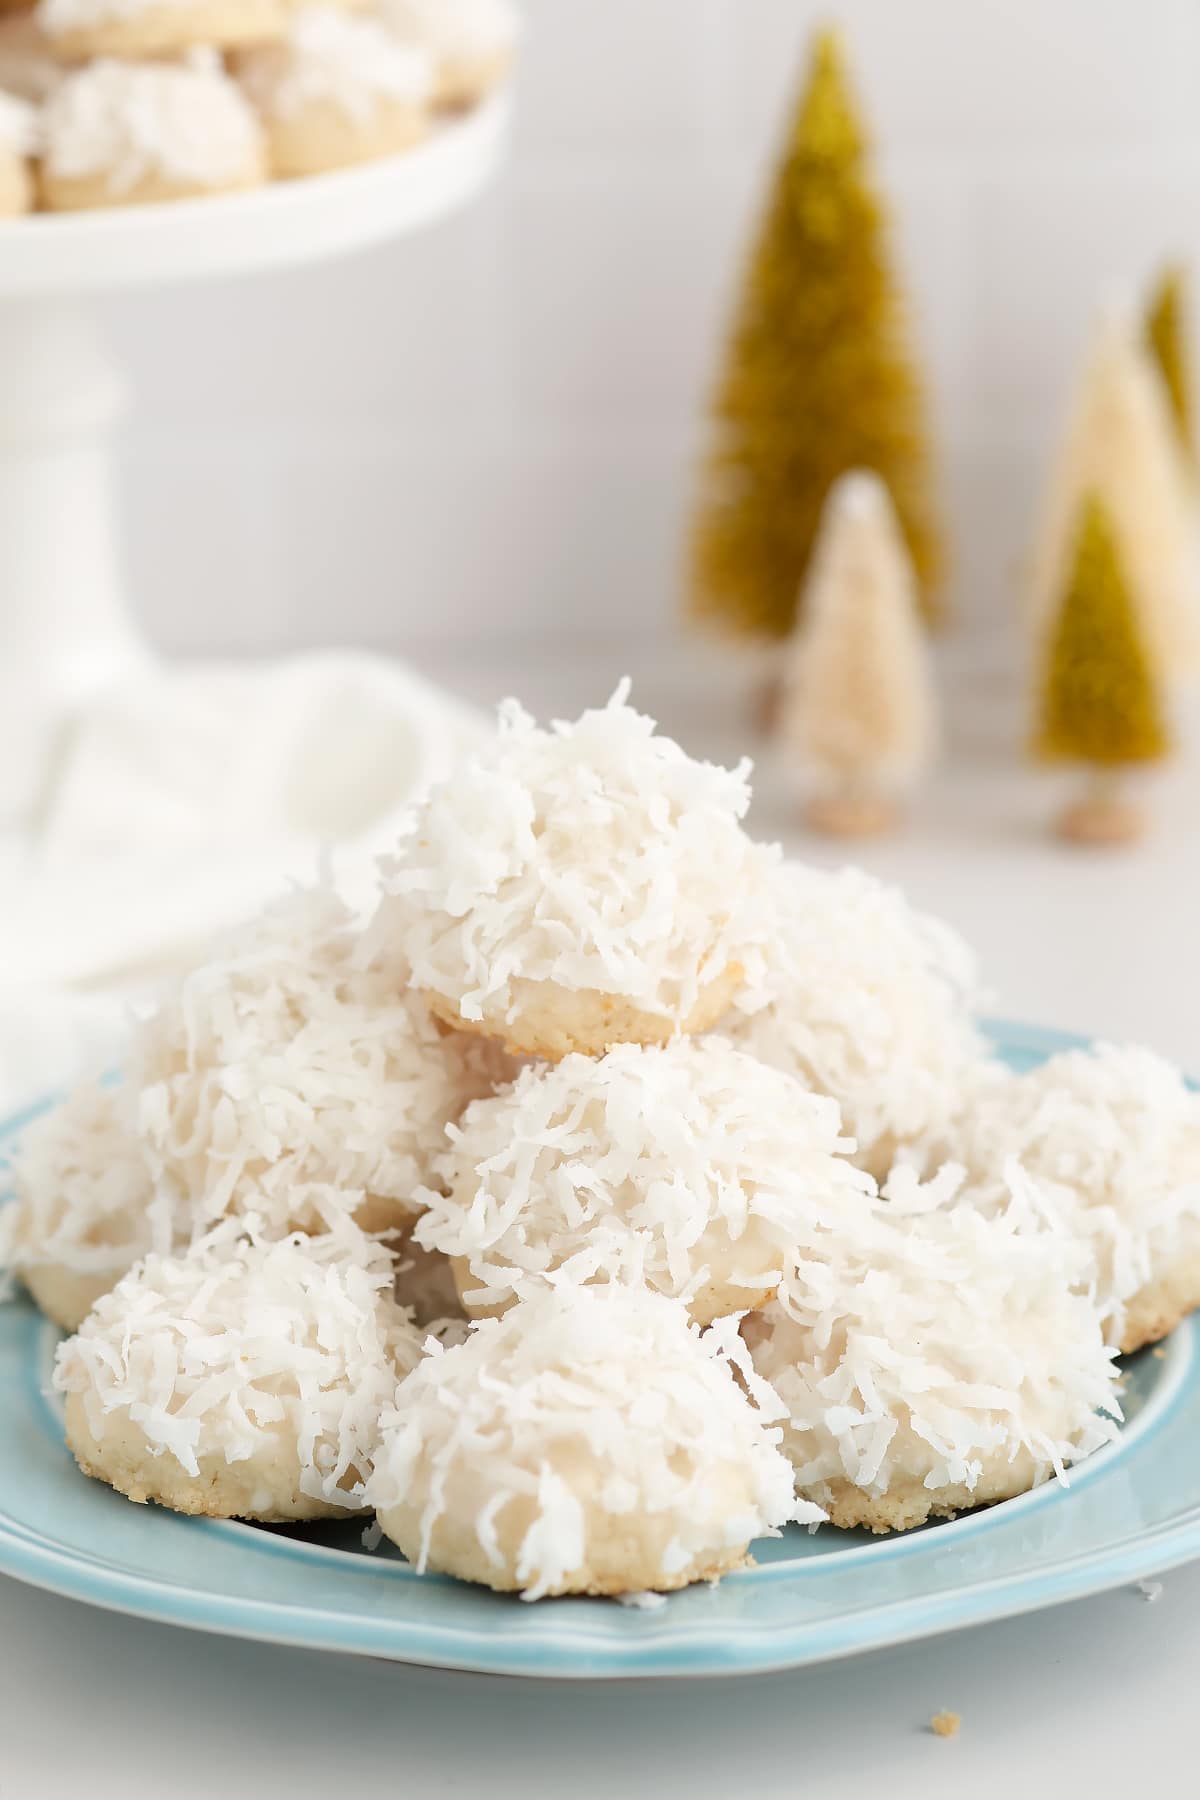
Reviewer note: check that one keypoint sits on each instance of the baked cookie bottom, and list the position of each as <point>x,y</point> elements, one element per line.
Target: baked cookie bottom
<point>122,1459</point>
<point>323,137</point>
<point>550,1021</point>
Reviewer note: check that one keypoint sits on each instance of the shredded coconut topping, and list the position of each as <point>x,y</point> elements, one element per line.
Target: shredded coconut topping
<point>684,1167</point>
<point>1111,1136</point>
<point>186,122</point>
<point>86,1198</point>
<point>220,1352</point>
<point>918,1341</point>
<point>455,29</point>
<point>867,1000</point>
<point>596,856</point>
<point>281,1074</point>
<point>283,1064</point>
<point>334,58</point>
<point>581,1415</point>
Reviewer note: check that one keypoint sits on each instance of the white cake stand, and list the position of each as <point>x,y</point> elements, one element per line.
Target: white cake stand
<point>65,629</point>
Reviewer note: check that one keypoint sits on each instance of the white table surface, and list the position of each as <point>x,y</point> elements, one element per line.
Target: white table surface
<point>1100,1694</point>
<point>1096,1695</point>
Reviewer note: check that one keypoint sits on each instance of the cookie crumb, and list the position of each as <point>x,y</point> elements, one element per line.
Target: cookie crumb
<point>1159,1353</point>
<point>643,1600</point>
<point>945,1724</point>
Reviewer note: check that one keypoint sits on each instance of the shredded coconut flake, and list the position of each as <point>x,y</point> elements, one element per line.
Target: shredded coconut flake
<point>86,1200</point>
<point>921,1344</point>
<point>594,856</point>
<point>691,1167</point>
<point>1111,1137</point>
<point>588,1439</point>
<point>644,1601</point>
<point>212,1354</point>
<point>865,999</point>
<point>284,1068</point>
<point>281,1074</point>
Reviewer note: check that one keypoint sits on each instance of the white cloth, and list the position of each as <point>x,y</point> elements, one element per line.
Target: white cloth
<point>183,799</point>
<point>320,747</point>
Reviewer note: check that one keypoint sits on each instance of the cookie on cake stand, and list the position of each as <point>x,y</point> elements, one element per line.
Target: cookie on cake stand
<point>78,29</point>
<point>66,631</point>
<point>132,133</point>
<point>338,90</point>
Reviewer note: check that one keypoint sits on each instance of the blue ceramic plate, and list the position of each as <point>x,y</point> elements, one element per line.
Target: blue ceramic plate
<point>1131,1511</point>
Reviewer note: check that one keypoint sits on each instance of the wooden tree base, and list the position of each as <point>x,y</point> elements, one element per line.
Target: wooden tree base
<point>1102,821</point>
<point>851,815</point>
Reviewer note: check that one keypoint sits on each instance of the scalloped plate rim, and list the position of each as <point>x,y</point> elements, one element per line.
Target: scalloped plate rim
<point>580,1639</point>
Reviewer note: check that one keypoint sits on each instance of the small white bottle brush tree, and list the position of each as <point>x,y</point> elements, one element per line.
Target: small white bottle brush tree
<point>858,711</point>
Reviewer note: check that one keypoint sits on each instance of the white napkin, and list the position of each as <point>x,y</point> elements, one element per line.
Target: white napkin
<point>322,747</point>
<point>183,799</point>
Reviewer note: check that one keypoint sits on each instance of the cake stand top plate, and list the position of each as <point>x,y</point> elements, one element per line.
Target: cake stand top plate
<point>272,227</point>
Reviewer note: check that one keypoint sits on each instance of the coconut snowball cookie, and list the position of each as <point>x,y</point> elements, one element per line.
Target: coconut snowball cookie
<point>867,1000</point>
<point>87,1205</point>
<point>931,1359</point>
<point>122,134</point>
<point>242,1380</point>
<point>18,142</point>
<point>472,42</point>
<point>341,90</point>
<point>79,29</point>
<point>1111,1137</point>
<point>286,1071</point>
<point>579,887</point>
<point>690,1167</point>
<point>590,1442</point>
<point>280,1074</point>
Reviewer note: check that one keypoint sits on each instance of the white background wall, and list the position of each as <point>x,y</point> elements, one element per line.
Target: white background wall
<point>482,437</point>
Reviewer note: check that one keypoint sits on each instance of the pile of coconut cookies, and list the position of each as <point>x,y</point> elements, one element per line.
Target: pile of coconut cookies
<point>613,1194</point>
<point>125,102</point>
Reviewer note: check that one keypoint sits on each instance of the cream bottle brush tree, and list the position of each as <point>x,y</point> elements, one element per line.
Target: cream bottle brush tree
<point>1097,701</point>
<point>858,705</point>
<point>818,378</point>
<point>1164,329</point>
<point>1120,445</point>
